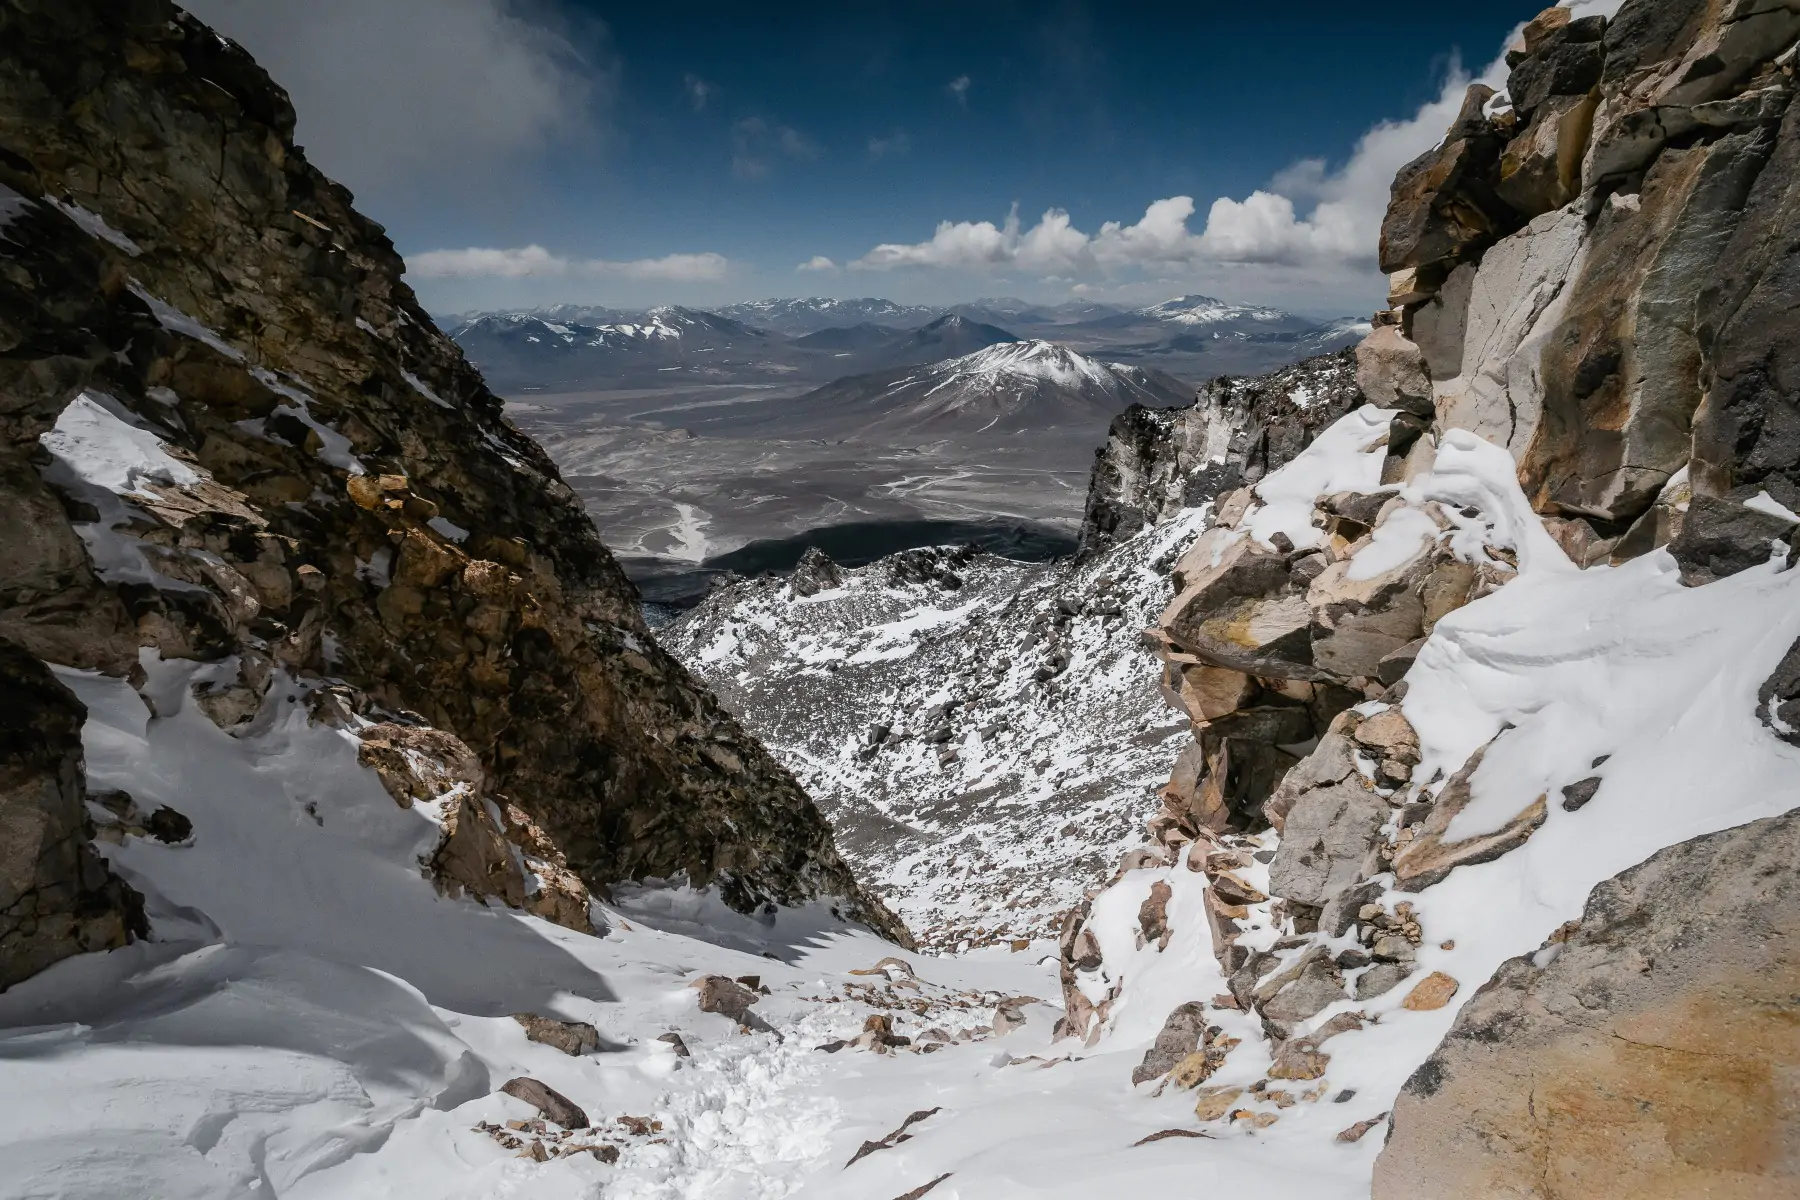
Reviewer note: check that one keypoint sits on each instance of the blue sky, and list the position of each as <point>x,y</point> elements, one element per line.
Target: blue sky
<point>536,152</point>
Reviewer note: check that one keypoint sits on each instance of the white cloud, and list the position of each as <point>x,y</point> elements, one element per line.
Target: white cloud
<point>817,262</point>
<point>959,89</point>
<point>399,98</point>
<point>523,261</point>
<point>699,90</point>
<point>756,142</point>
<point>1309,216</point>
<point>896,143</point>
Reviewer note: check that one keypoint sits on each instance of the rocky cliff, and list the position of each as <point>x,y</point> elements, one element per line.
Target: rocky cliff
<point>1455,664</point>
<point>233,440</point>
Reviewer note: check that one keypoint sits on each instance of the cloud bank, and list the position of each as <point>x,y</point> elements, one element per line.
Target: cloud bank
<point>523,261</point>
<point>399,95</point>
<point>1309,217</point>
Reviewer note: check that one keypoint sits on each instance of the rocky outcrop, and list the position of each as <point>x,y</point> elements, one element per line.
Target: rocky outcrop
<point>1591,268</point>
<point>1592,271</point>
<point>57,897</point>
<point>1158,461</point>
<point>1645,1053</point>
<point>238,439</point>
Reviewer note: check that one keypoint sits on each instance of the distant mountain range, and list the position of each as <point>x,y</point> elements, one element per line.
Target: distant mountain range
<point>570,348</point>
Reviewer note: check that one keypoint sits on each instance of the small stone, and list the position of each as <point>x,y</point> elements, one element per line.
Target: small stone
<point>1355,1132</point>
<point>553,1104</point>
<point>1299,1058</point>
<point>1232,890</point>
<point>674,1039</point>
<point>1380,979</point>
<point>1345,1096</point>
<point>1431,993</point>
<point>1160,1134</point>
<point>1194,1070</point>
<point>1579,793</point>
<point>1393,947</point>
<point>1212,1103</point>
<point>574,1038</point>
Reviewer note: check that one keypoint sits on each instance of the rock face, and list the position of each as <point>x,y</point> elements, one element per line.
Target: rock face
<point>56,896</point>
<point>236,438</point>
<point>1649,1054</point>
<point>1593,267</point>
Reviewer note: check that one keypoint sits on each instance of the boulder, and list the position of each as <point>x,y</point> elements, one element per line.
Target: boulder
<point>1243,611</point>
<point>555,1106</point>
<point>1380,979</point>
<point>1300,993</point>
<point>1443,207</point>
<point>1206,692</point>
<point>1646,1055</point>
<point>1327,838</point>
<point>574,1038</point>
<point>1721,537</point>
<point>1567,62</point>
<point>57,897</point>
<point>1430,993</point>
<point>1390,370</point>
<point>1540,169</point>
<point>728,998</point>
<point>1182,1032</point>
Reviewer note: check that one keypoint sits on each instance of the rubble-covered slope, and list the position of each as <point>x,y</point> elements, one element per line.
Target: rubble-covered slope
<point>986,734</point>
<point>230,437</point>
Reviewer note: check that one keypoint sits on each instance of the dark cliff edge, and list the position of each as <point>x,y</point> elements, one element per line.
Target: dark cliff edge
<point>347,505</point>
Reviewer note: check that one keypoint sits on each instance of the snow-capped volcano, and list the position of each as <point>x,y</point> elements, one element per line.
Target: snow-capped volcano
<point>1004,387</point>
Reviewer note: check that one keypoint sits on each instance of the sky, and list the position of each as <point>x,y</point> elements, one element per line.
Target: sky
<point>530,152</point>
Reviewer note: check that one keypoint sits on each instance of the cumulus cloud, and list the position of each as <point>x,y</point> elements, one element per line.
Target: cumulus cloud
<point>959,89</point>
<point>699,91</point>
<point>402,95</point>
<point>817,262</point>
<point>756,143</point>
<point>523,261</point>
<point>896,143</point>
<point>1310,216</point>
